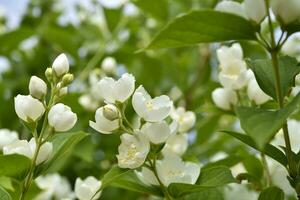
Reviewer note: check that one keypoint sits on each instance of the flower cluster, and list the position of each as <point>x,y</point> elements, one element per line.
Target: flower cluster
<point>156,142</point>
<point>234,77</point>
<point>43,115</point>
<point>286,11</point>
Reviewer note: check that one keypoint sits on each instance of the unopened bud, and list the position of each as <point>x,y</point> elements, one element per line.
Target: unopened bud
<point>49,74</point>
<point>67,79</point>
<point>37,87</point>
<point>63,91</point>
<point>60,65</point>
<point>110,112</point>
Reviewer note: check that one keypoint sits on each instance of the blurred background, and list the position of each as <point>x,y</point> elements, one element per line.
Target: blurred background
<point>34,32</point>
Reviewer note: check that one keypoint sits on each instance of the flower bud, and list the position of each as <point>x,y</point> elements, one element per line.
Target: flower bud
<point>255,93</point>
<point>224,98</point>
<point>63,91</point>
<point>37,87</point>
<point>67,79</point>
<point>49,74</point>
<point>286,10</point>
<point>109,65</point>
<point>28,108</point>
<point>255,10</point>
<point>60,65</point>
<point>86,189</point>
<point>231,7</point>
<point>110,112</point>
<point>102,124</point>
<point>61,117</point>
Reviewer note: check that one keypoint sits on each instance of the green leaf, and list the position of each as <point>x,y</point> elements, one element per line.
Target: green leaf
<point>14,165</point>
<point>9,41</point>
<point>203,26</point>
<point>254,167</point>
<point>207,194</point>
<point>4,195</point>
<point>215,176</point>
<point>265,76</point>
<point>129,181</point>
<point>114,173</point>
<point>209,178</point>
<point>269,149</point>
<point>271,193</point>
<point>6,183</point>
<point>113,17</point>
<point>159,9</point>
<point>262,124</point>
<point>63,144</point>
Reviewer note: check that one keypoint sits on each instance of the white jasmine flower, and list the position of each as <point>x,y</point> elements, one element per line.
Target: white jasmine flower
<point>88,103</point>
<point>185,119</point>
<point>61,117</point>
<point>279,174</point>
<point>152,110</point>
<point>171,169</point>
<point>286,10</point>
<point>23,147</point>
<point>231,7</point>
<point>60,65</point>
<point>255,93</point>
<point>102,124</point>
<point>147,176</point>
<point>86,189</point>
<point>133,150</point>
<point>225,54</point>
<point>255,10</point>
<point>28,108</point>
<point>176,144</point>
<point>120,90</point>
<point>157,132</point>
<point>234,74</point>
<point>37,87</point>
<point>293,126</point>
<point>292,46</point>
<point>109,65</point>
<point>224,98</point>
<point>44,152</point>
<point>7,137</point>
<point>53,186</point>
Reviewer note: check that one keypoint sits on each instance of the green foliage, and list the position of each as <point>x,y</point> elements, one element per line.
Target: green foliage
<point>271,193</point>
<point>114,173</point>
<point>269,149</point>
<point>265,76</point>
<point>4,195</point>
<point>129,181</point>
<point>261,124</point>
<point>203,26</point>
<point>210,177</point>
<point>14,165</point>
<point>63,144</point>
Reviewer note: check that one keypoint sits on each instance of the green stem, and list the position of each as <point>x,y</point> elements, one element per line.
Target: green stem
<point>280,98</point>
<point>39,143</point>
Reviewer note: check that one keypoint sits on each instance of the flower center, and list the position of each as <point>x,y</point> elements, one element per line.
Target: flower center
<point>149,105</point>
